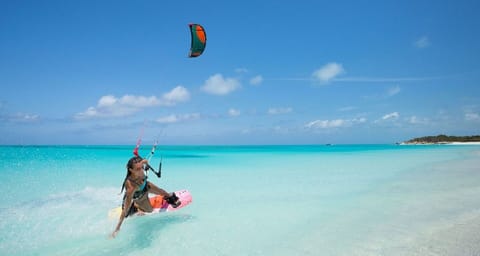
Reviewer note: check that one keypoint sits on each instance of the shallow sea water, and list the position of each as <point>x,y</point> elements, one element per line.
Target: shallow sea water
<point>247,200</point>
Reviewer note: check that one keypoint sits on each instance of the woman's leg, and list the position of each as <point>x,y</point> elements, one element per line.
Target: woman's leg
<point>143,203</point>
<point>152,188</point>
<point>170,198</point>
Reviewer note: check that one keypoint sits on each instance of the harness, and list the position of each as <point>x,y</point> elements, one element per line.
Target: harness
<point>141,190</point>
<point>140,193</point>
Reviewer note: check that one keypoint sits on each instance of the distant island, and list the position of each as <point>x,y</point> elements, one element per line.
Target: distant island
<point>443,139</point>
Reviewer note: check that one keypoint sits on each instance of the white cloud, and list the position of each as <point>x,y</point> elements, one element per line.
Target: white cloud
<point>176,95</point>
<point>326,124</point>
<point>359,120</point>
<point>111,106</point>
<point>279,111</point>
<point>472,117</point>
<point>29,117</point>
<point>328,72</point>
<point>392,116</point>
<point>413,120</point>
<point>256,80</point>
<point>138,101</point>
<point>384,79</point>
<point>233,112</point>
<point>90,112</point>
<point>347,108</point>
<point>217,85</point>
<point>21,118</point>
<point>416,120</point>
<point>106,101</point>
<point>393,91</point>
<point>422,42</point>
<point>170,119</point>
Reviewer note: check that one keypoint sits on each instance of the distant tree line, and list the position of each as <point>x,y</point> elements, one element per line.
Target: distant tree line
<point>444,138</point>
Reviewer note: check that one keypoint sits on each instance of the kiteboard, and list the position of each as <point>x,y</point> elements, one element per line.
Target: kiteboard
<point>158,204</point>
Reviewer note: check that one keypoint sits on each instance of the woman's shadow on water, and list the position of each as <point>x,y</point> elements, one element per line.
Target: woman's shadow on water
<point>148,228</point>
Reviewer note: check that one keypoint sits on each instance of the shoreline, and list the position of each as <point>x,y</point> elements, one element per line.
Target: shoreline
<point>441,143</point>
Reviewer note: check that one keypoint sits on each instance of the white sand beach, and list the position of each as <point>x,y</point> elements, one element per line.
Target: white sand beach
<point>465,143</point>
<point>442,143</point>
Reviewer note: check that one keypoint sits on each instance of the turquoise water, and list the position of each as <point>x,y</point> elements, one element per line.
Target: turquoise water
<point>247,200</point>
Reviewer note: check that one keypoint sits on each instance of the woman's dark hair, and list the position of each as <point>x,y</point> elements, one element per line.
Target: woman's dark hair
<point>130,163</point>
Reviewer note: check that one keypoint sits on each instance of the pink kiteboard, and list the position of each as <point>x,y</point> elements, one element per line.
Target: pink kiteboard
<point>159,205</point>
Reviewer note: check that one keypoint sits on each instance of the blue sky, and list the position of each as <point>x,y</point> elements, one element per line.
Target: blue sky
<point>301,72</point>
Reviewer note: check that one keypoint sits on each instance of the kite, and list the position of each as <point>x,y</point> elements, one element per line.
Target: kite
<point>199,40</point>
